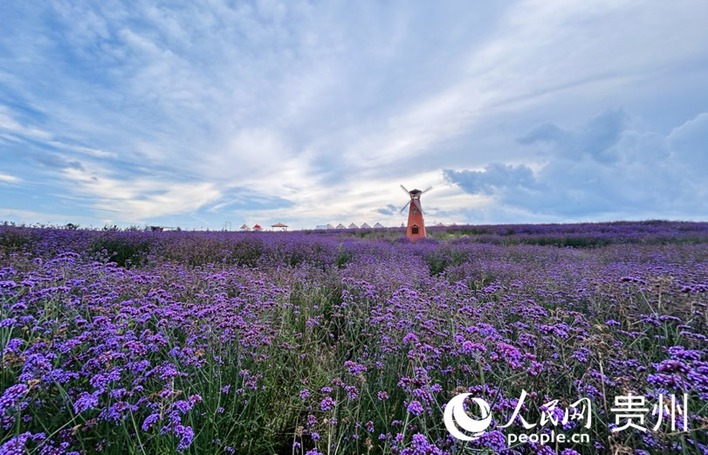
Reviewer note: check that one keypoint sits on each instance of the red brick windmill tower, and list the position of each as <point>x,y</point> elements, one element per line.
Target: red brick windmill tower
<point>416,227</point>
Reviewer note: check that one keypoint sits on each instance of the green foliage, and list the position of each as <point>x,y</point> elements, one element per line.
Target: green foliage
<point>15,239</point>
<point>440,259</point>
<point>124,251</point>
<point>247,252</point>
<point>344,257</point>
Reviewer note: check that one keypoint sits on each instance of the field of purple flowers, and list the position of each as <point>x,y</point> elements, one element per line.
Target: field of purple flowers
<point>353,341</point>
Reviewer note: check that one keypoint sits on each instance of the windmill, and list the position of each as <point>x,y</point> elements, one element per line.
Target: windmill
<point>416,228</point>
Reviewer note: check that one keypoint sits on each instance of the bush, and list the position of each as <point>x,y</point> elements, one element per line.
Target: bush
<point>124,251</point>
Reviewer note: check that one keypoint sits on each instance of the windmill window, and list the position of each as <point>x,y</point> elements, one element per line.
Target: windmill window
<point>414,229</point>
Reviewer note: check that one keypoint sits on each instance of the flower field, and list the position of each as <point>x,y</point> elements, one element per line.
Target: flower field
<point>353,342</point>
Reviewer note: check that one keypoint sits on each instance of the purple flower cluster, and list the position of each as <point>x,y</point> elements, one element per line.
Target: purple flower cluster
<point>230,342</point>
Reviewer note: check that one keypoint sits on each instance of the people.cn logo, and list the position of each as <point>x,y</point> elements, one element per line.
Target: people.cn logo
<point>455,416</point>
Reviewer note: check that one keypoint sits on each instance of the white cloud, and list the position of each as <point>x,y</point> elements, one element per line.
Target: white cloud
<point>604,169</point>
<point>331,106</point>
<point>139,199</point>
<point>689,145</point>
<point>8,124</point>
<point>11,179</point>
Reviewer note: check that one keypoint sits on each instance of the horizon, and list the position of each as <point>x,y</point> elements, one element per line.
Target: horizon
<point>269,228</point>
<point>308,113</point>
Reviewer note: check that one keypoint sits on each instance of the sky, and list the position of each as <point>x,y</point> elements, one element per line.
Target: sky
<point>215,113</point>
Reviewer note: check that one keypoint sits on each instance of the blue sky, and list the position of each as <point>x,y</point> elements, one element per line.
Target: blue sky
<point>307,112</point>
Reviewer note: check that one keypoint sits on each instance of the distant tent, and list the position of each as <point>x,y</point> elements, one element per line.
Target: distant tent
<point>378,226</point>
<point>365,226</point>
<point>245,227</point>
<point>281,226</point>
<point>257,227</point>
<point>341,226</point>
<point>329,226</point>
<point>353,226</point>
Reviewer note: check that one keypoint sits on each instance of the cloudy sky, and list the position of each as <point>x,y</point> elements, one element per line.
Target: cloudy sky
<point>314,112</point>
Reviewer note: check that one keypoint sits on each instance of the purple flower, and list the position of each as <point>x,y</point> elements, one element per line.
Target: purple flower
<point>469,347</point>
<point>354,368</point>
<point>85,402</point>
<point>510,354</point>
<point>304,394</point>
<point>11,396</point>
<point>182,406</point>
<point>415,408</point>
<point>352,392</point>
<point>149,421</point>
<point>420,442</point>
<point>327,404</point>
<point>13,346</point>
<point>9,322</point>
<point>679,352</point>
<point>16,445</point>
<point>672,366</point>
<point>494,440</point>
<point>186,435</point>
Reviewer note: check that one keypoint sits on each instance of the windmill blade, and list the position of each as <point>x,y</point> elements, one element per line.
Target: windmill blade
<point>404,189</point>
<point>404,207</point>
<point>416,202</point>
<point>429,188</point>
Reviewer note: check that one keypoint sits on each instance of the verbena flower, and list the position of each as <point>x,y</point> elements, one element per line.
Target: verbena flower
<point>85,402</point>
<point>327,404</point>
<point>150,421</point>
<point>415,408</point>
<point>11,396</point>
